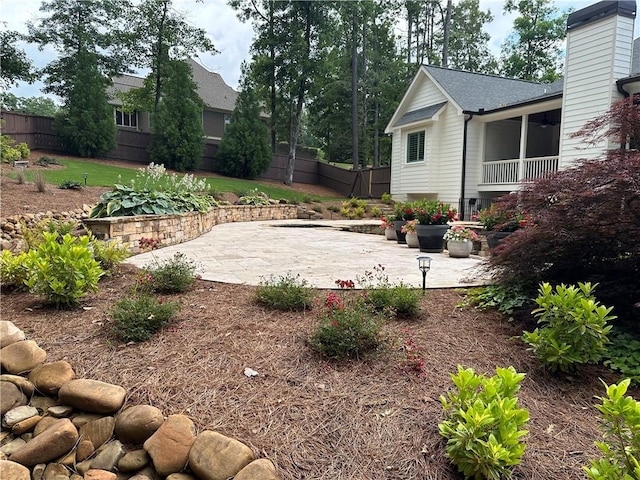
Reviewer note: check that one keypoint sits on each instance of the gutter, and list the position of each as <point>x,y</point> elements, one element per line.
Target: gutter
<point>464,162</point>
<point>623,81</point>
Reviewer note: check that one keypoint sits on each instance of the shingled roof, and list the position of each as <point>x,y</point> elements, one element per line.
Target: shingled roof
<point>476,91</point>
<point>212,89</point>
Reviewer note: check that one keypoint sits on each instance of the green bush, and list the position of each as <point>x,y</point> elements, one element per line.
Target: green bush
<point>574,327</point>
<point>33,236</point>
<point>174,275</point>
<point>621,448</point>
<point>484,425</point>
<point>10,152</point>
<point>108,253</point>
<point>137,318</point>
<point>253,197</point>
<point>70,185</point>
<point>383,294</point>
<point>45,161</point>
<point>386,198</point>
<point>287,292</point>
<point>507,300</point>
<point>13,269</point>
<point>63,269</point>
<point>347,328</point>
<point>623,355</point>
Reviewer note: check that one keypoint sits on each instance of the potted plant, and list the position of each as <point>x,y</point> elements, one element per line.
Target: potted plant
<point>388,227</point>
<point>500,222</point>
<point>433,217</point>
<point>404,213</point>
<point>460,241</point>
<point>411,237</point>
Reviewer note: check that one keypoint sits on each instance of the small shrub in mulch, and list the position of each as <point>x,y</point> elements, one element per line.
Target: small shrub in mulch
<point>286,292</point>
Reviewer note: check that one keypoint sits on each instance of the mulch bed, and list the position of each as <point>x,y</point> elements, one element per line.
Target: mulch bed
<point>358,419</point>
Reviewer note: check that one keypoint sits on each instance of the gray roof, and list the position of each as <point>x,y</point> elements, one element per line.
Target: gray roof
<point>420,114</point>
<point>476,91</point>
<point>635,58</point>
<point>212,89</point>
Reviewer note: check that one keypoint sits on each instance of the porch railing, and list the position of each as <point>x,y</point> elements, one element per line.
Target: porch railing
<point>503,172</point>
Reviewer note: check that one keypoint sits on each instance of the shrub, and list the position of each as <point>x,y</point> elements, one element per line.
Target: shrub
<point>174,275</point>
<point>287,292</point>
<point>108,253</point>
<point>506,299</point>
<point>40,181</point>
<point>376,212</point>
<point>383,294</point>
<point>574,327</point>
<point>70,185</point>
<point>63,269</point>
<point>253,197</point>
<point>484,425</point>
<point>317,208</point>
<point>347,328</point>
<point>623,355</point>
<point>45,161</point>
<point>621,415</point>
<point>333,208</point>
<point>587,222</point>
<point>13,269</point>
<point>136,319</point>
<point>386,198</point>
<point>10,152</point>
<point>34,236</point>
<point>413,362</point>
<point>20,180</point>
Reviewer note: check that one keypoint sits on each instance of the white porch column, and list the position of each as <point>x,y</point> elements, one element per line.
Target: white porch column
<point>524,127</point>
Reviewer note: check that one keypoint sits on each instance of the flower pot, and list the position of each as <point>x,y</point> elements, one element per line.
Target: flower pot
<point>494,238</point>
<point>400,237</point>
<point>459,248</point>
<point>412,240</point>
<point>430,237</point>
<point>390,234</point>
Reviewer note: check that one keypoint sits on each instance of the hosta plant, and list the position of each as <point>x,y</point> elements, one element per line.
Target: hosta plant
<point>573,327</point>
<point>621,445</point>
<point>484,426</point>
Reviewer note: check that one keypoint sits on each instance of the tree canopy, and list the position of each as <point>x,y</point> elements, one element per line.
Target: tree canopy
<point>15,64</point>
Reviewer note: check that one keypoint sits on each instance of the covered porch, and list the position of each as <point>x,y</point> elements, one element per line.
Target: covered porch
<point>520,147</point>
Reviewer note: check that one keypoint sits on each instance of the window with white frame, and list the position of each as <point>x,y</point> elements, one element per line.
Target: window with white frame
<point>415,147</point>
<point>126,119</point>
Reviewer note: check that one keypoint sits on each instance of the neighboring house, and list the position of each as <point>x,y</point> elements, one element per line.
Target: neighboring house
<point>219,98</point>
<point>465,138</point>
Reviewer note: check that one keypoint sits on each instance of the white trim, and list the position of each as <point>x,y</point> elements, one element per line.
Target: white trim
<point>424,146</point>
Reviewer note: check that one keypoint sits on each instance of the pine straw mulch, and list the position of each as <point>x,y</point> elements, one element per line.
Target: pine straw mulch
<point>361,419</point>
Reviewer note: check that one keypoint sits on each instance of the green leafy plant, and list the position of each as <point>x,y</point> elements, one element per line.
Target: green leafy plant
<point>45,161</point>
<point>347,327</point>
<point>13,269</point>
<point>386,198</point>
<point>70,185</point>
<point>9,152</point>
<point>574,327</point>
<point>33,235</point>
<point>333,208</point>
<point>397,298</point>
<point>433,212</point>
<point>621,448</point>
<point>500,218</point>
<point>376,211</point>
<point>623,355</point>
<point>507,300</point>
<point>174,275</point>
<point>317,208</point>
<point>108,253</point>
<point>286,292</point>
<point>484,426</point>
<point>253,197</point>
<point>63,269</point>
<point>137,318</point>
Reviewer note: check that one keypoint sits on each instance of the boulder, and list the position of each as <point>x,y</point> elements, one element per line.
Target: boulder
<point>84,450</point>
<point>137,423</point>
<point>108,456</point>
<point>22,383</point>
<point>169,446</point>
<point>10,397</point>
<point>261,469</point>
<point>22,356</point>
<point>13,471</point>
<point>99,431</point>
<point>53,443</point>
<point>92,395</point>
<point>95,474</point>
<point>133,461</point>
<point>49,377</point>
<point>214,456</point>
<point>9,333</point>
<point>18,414</point>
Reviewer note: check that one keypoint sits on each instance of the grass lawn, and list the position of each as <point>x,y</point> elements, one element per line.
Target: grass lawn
<point>102,175</point>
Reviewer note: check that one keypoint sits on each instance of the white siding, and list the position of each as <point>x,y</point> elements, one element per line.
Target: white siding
<point>475,132</point>
<point>598,54</point>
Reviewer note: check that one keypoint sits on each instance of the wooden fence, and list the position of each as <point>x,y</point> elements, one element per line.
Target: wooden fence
<point>131,146</point>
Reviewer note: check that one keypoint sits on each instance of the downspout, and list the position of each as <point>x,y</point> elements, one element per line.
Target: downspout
<point>464,163</point>
<point>625,94</point>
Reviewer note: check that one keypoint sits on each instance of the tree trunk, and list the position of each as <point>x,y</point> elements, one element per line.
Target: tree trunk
<point>376,134</point>
<point>272,78</point>
<point>159,54</point>
<point>447,31</point>
<point>354,92</point>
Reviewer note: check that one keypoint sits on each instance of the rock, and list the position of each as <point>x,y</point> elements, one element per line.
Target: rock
<point>94,474</point>
<point>60,411</point>
<point>42,403</point>
<point>12,446</point>
<point>49,377</point>
<point>37,473</point>
<point>133,461</point>
<point>169,446</point>
<point>99,431</point>
<point>261,469</point>
<point>10,397</point>
<point>22,356</point>
<point>55,471</point>
<point>84,418</point>
<point>214,456</point>
<point>108,456</point>
<point>43,424</point>
<point>26,425</point>
<point>181,476</point>
<point>92,395</point>
<point>135,424</point>
<point>147,473</point>
<point>18,414</point>
<point>13,471</point>
<point>54,442</point>
<point>22,383</point>
<point>84,450</point>
<point>9,333</point>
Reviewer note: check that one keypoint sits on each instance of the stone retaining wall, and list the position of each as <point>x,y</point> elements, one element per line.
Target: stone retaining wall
<point>56,426</point>
<point>172,229</point>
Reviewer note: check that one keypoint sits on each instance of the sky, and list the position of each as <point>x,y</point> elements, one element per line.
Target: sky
<point>231,37</point>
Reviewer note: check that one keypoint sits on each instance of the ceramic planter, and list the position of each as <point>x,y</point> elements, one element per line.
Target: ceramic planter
<point>412,240</point>
<point>390,234</point>
<point>494,238</point>
<point>430,237</point>
<point>459,248</point>
<point>400,237</point>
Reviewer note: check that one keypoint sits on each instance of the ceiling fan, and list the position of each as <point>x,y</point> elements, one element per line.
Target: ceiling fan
<point>545,122</point>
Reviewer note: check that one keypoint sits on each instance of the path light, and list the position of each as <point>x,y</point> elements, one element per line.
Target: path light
<point>85,175</point>
<point>424,263</point>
